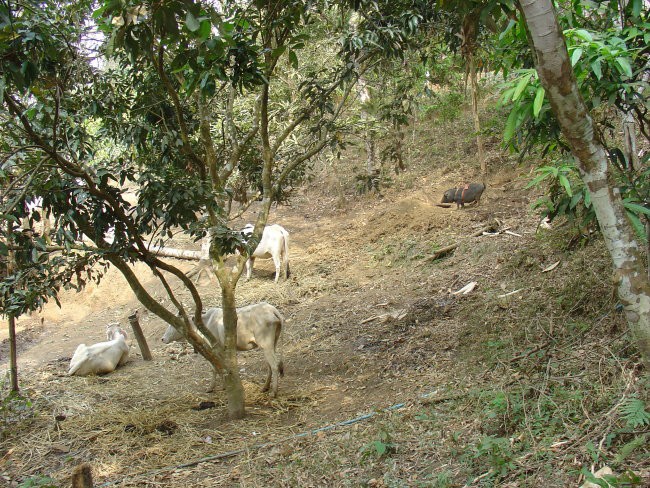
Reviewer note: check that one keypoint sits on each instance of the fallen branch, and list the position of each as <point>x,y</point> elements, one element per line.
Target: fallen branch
<point>532,351</point>
<point>168,252</point>
<point>396,315</point>
<point>511,293</point>
<point>447,249</point>
<point>426,400</point>
<point>468,288</point>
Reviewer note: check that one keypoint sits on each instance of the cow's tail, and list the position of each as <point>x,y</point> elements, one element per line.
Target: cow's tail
<point>278,331</point>
<point>286,253</point>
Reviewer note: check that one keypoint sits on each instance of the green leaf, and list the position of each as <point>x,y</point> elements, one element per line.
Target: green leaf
<point>205,30</point>
<point>584,35</point>
<point>539,101</point>
<point>523,83</point>
<point>575,57</point>
<point>564,181</point>
<point>624,63</point>
<point>191,22</point>
<point>511,124</point>
<point>537,180</point>
<point>636,208</point>
<point>575,200</point>
<point>293,59</point>
<point>380,447</point>
<point>595,67</point>
<point>637,225</point>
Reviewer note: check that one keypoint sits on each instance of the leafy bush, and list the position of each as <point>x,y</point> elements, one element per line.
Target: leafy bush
<point>38,481</point>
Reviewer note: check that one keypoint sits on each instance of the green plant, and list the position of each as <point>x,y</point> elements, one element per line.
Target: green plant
<point>38,481</point>
<point>627,479</point>
<point>380,447</point>
<point>567,195</point>
<point>497,453</point>
<point>446,108</point>
<point>14,407</point>
<point>634,413</point>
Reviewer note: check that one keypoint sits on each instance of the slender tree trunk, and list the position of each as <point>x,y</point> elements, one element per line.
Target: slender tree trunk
<point>11,323</point>
<point>629,141</point>
<point>232,381</point>
<point>477,121</point>
<point>13,356</point>
<point>556,74</point>
<point>627,119</point>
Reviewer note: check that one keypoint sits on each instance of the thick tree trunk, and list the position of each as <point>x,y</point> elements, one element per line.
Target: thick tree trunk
<point>556,74</point>
<point>232,381</point>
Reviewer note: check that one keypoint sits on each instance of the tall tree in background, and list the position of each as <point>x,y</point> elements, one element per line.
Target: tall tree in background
<point>556,73</point>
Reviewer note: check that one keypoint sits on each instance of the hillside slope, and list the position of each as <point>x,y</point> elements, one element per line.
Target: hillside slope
<point>522,390</point>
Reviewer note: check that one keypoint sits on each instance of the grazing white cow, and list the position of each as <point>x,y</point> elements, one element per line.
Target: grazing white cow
<point>102,357</point>
<point>258,325</point>
<point>274,244</point>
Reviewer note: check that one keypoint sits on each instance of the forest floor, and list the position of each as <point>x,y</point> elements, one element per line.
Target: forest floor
<point>481,390</point>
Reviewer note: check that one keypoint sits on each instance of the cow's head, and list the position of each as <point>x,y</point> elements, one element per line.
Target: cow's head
<point>172,335</point>
<point>114,331</point>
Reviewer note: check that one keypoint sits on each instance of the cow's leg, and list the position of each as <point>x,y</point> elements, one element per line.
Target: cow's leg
<point>278,265</point>
<point>249,267</point>
<point>213,384</point>
<point>274,371</point>
<point>267,384</point>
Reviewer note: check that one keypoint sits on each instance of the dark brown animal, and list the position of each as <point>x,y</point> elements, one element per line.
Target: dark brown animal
<point>82,476</point>
<point>464,194</point>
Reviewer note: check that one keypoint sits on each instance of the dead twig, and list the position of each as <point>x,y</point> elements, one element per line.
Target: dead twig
<point>447,249</point>
<point>532,351</point>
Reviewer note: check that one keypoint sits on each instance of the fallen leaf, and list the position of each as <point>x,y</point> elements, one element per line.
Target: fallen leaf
<point>551,267</point>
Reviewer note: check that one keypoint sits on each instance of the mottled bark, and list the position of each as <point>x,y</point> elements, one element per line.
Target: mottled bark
<point>558,79</point>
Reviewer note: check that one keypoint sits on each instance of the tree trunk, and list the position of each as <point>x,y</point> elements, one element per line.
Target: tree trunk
<point>477,121</point>
<point>13,356</point>
<point>558,79</point>
<point>629,140</point>
<point>232,381</point>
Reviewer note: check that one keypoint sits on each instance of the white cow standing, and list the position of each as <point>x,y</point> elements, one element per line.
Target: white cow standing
<point>102,357</point>
<point>258,325</point>
<point>274,244</point>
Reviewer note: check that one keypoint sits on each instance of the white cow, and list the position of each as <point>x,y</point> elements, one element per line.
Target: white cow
<point>274,244</point>
<point>102,357</point>
<point>258,325</point>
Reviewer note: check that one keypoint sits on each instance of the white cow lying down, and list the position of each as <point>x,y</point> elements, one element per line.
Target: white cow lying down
<point>258,325</point>
<point>274,244</point>
<point>102,357</point>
